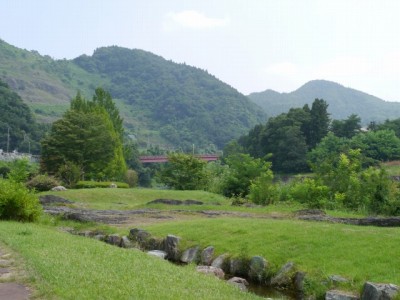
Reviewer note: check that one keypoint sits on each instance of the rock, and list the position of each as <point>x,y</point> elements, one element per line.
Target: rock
<point>113,186</point>
<point>113,239</point>
<point>220,261</point>
<point>339,295</point>
<point>257,268</point>
<point>175,202</point>
<point>158,253</point>
<point>241,283</point>
<point>218,272</point>
<point>100,237</point>
<point>207,255</point>
<point>59,188</point>
<point>283,279</point>
<point>126,242</point>
<point>191,255</point>
<point>238,267</point>
<point>337,279</point>
<point>170,245</point>
<point>379,291</point>
<point>298,283</point>
<point>86,233</point>
<point>52,199</point>
<point>139,235</point>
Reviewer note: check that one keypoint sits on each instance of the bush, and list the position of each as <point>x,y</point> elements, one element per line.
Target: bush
<point>262,189</point>
<point>311,193</point>
<point>69,173</point>
<point>131,178</point>
<point>102,184</point>
<point>17,202</point>
<point>42,183</point>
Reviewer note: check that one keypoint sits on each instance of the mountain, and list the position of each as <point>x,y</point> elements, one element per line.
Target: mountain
<point>342,101</point>
<point>161,101</point>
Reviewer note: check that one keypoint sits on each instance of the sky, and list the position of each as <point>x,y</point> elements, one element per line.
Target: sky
<point>252,45</point>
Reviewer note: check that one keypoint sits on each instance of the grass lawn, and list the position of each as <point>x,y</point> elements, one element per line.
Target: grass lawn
<point>63,266</point>
<point>320,249</point>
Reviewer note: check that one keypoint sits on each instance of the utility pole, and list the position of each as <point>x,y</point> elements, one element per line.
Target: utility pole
<point>8,137</point>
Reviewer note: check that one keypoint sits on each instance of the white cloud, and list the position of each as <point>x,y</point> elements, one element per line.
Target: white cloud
<point>193,20</point>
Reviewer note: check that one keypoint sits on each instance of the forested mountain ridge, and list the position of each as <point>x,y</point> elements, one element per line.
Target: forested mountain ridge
<point>160,101</point>
<point>342,101</point>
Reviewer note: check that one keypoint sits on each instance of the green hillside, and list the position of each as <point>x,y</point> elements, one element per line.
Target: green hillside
<point>161,102</point>
<point>342,101</point>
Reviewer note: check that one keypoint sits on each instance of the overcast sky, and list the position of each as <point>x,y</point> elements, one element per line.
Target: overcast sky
<point>253,45</point>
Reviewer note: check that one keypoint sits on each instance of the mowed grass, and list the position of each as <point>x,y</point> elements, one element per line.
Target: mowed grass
<point>319,249</point>
<point>63,266</point>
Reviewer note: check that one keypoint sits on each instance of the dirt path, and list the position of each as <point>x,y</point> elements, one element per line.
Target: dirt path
<point>10,287</point>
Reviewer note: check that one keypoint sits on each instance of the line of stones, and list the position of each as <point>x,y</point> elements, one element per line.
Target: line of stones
<point>238,269</point>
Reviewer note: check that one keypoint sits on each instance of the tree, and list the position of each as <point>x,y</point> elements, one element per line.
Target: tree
<point>318,124</point>
<point>243,169</point>
<point>184,172</point>
<point>86,137</point>
<point>346,128</point>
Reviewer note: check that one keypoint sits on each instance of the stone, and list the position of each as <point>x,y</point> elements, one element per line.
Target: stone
<point>298,283</point>
<point>100,237</point>
<point>53,199</point>
<point>217,272</point>
<point>336,279</point>
<point>113,239</point>
<point>170,245</point>
<point>190,255</point>
<point>220,261</point>
<point>339,295</point>
<point>238,267</point>
<point>126,243</point>
<point>241,283</point>
<point>158,253</point>
<point>59,188</point>
<point>207,255</point>
<point>257,268</point>
<point>283,279</point>
<point>379,291</point>
<point>138,235</point>
<point>113,186</point>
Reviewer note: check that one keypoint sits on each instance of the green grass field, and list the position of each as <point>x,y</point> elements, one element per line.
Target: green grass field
<point>64,266</point>
<point>320,249</point>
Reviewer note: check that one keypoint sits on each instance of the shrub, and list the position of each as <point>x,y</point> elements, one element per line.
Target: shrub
<point>17,202</point>
<point>42,183</point>
<point>102,184</point>
<point>311,193</point>
<point>131,178</point>
<point>262,189</point>
<point>69,173</point>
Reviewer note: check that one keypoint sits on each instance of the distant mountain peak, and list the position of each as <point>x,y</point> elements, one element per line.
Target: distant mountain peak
<point>343,101</point>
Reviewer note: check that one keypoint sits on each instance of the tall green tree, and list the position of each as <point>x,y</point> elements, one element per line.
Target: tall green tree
<point>86,137</point>
<point>319,123</point>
